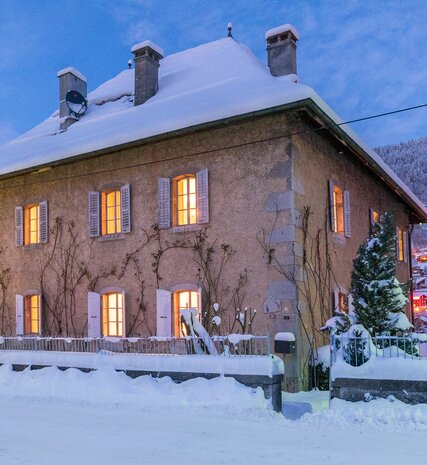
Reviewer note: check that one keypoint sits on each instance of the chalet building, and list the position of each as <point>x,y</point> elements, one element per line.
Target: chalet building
<point>197,178</point>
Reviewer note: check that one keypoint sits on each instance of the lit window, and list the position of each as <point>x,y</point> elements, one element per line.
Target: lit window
<point>32,314</point>
<point>400,252</point>
<point>186,201</point>
<point>342,302</point>
<point>111,212</point>
<point>338,205</point>
<point>184,299</point>
<point>32,224</point>
<point>112,314</point>
<point>375,216</point>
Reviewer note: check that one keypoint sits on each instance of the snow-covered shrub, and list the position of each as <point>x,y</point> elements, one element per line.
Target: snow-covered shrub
<point>322,361</point>
<point>355,345</point>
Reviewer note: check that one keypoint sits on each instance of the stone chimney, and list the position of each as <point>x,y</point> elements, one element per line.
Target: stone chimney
<point>69,79</point>
<point>282,50</point>
<point>146,57</point>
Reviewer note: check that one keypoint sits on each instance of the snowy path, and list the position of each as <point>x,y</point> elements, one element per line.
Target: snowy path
<point>41,428</point>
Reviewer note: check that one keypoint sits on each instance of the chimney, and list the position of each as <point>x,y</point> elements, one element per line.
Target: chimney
<point>69,79</point>
<point>282,50</point>
<point>146,57</point>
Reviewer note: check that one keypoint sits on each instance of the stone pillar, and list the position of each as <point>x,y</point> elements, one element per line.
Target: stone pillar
<point>146,57</point>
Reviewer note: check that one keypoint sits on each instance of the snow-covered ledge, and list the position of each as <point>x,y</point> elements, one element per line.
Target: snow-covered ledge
<point>265,371</point>
<point>239,365</point>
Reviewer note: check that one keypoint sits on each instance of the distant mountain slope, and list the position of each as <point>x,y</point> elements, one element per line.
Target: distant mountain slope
<point>409,161</point>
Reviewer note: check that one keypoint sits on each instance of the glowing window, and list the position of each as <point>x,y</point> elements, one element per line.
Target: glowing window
<point>111,212</point>
<point>342,302</point>
<point>400,252</point>
<point>184,299</point>
<point>112,314</point>
<point>338,210</point>
<point>186,201</point>
<point>32,224</point>
<point>375,216</point>
<point>32,314</point>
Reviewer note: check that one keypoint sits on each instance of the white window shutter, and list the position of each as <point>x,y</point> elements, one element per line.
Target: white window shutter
<point>19,314</point>
<point>405,246</point>
<point>350,303</point>
<point>164,312</point>
<point>125,207</point>
<point>42,319</point>
<point>164,203</point>
<point>19,226</point>
<point>347,214</point>
<point>331,204</point>
<point>202,196</point>
<point>336,301</point>
<point>94,223</point>
<point>94,314</point>
<point>44,222</point>
<point>124,316</point>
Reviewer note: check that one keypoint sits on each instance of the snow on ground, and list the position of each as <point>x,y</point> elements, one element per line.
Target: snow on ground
<point>53,417</point>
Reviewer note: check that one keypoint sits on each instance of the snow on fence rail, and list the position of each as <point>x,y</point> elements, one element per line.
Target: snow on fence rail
<point>356,350</point>
<point>231,345</point>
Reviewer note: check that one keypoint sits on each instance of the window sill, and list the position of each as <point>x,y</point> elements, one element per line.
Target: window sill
<point>111,237</point>
<point>186,228</point>
<point>339,238</point>
<point>39,245</point>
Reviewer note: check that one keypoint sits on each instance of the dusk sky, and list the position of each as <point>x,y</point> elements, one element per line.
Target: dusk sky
<point>362,57</point>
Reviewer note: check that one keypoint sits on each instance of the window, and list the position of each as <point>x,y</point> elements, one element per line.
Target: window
<point>341,301</point>
<point>374,216</point>
<point>400,244</point>
<point>32,224</point>
<point>111,212</point>
<point>339,209</point>
<point>186,199</point>
<point>112,314</point>
<point>32,314</point>
<point>184,299</point>
<point>183,201</point>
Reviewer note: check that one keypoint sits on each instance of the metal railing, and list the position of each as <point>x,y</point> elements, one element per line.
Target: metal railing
<point>247,345</point>
<point>357,350</point>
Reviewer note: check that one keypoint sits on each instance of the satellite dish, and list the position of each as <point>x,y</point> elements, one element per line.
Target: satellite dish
<point>76,103</point>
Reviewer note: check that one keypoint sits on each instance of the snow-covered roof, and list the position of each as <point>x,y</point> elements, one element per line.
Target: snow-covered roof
<point>211,82</point>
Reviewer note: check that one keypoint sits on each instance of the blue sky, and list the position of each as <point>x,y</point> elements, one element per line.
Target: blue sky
<point>362,57</point>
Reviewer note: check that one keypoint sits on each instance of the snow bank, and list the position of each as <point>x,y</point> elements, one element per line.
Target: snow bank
<point>237,365</point>
<point>106,386</point>
<point>383,368</point>
<point>379,414</point>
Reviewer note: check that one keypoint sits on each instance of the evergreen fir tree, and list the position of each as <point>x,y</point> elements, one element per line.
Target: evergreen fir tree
<point>377,294</point>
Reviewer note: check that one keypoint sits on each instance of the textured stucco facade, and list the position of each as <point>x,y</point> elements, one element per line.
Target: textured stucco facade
<point>259,185</point>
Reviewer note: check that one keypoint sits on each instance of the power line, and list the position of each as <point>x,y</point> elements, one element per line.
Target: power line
<point>229,147</point>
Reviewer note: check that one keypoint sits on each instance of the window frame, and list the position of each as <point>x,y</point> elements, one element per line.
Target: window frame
<point>117,212</point>
<point>176,210</point>
<point>400,244</point>
<point>28,224</point>
<point>105,314</point>
<point>28,314</point>
<point>177,326</point>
